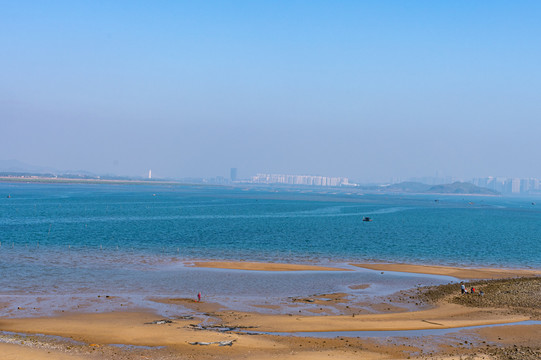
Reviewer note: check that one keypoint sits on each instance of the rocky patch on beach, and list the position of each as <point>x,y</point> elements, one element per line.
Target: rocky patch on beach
<point>521,295</point>
<point>491,352</point>
<point>515,352</point>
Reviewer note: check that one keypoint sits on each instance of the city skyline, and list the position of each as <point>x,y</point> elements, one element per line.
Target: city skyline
<point>501,184</point>
<point>365,90</point>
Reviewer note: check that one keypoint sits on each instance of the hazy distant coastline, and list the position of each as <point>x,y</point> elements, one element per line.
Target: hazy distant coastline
<point>456,188</point>
<point>79,180</point>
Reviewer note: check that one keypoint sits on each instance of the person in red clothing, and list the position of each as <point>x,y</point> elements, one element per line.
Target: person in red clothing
<point>199,296</point>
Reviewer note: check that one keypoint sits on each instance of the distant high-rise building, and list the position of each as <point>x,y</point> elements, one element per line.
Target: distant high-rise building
<point>510,185</point>
<point>312,180</point>
<point>515,186</point>
<point>233,174</point>
<point>150,174</point>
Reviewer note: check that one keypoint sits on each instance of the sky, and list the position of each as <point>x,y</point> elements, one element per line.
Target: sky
<point>370,90</point>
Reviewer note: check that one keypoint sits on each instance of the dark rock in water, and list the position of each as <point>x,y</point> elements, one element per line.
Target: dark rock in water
<point>160,322</point>
<point>226,343</point>
<point>185,317</point>
<point>220,343</point>
<point>199,343</point>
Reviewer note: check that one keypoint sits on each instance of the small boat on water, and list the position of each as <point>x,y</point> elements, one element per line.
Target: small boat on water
<point>366,218</point>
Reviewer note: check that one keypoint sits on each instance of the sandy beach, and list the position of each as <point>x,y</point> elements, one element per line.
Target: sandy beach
<point>217,332</point>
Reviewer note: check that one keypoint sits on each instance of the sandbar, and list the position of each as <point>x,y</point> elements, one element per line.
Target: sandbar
<point>457,272</point>
<point>261,266</point>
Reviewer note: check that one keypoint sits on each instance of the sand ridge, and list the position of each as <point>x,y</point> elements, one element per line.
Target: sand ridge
<point>262,266</point>
<point>444,316</point>
<point>457,272</point>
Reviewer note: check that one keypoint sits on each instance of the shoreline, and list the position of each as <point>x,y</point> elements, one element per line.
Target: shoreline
<point>137,333</point>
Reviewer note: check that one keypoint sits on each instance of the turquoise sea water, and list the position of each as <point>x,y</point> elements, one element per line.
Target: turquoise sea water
<point>60,239</point>
<point>223,223</point>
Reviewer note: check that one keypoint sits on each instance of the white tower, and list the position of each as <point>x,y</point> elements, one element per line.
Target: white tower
<point>150,174</point>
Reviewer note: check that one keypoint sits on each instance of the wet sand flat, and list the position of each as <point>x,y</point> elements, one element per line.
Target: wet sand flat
<point>18,352</point>
<point>217,332</point>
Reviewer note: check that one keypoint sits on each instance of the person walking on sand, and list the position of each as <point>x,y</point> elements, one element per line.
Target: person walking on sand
<point>463,288</point>
<point>199,296</point>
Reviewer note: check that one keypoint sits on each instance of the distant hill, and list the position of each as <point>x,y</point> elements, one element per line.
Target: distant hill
<point>408,186</point>
<point>461,188</point>
<point>454,188</point>
<point>19,168</point>
<point>16,166</point>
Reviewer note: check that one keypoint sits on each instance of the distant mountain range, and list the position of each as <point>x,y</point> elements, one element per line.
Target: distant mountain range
<point>16,166</point>
<point>454,188</point>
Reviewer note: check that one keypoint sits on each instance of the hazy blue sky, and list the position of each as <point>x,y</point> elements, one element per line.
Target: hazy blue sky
<point>364,89</point>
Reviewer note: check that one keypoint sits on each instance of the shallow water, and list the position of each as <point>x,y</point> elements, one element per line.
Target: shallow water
<point>235,289</point>
<point>61,241</point>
